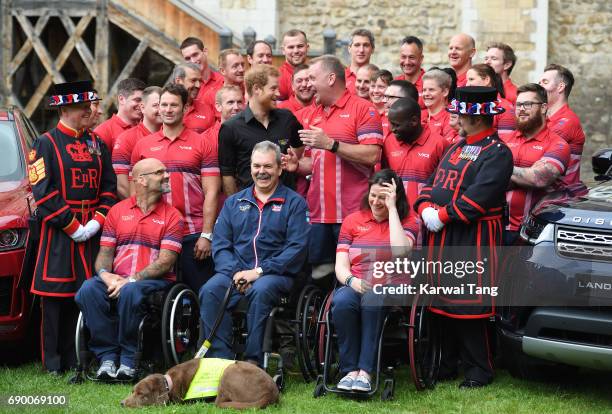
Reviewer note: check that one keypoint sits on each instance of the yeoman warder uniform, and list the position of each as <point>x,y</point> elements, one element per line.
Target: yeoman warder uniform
<point>74,186</point>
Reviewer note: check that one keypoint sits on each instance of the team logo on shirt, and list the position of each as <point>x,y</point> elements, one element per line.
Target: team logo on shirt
<point>364,228</point>
<point>345,115</point>
<point>127,218</point>
<point>184,147</point>
<point>156,148</point>
<point>200,116</point>
<point>397,153</point>
<point>277,208</point>
<point>160,222</point>
<point>245,207</point>
<point>538,147</point>
<point>423,154</point>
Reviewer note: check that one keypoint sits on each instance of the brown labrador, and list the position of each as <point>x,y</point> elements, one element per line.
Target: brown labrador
<point>242,385</point>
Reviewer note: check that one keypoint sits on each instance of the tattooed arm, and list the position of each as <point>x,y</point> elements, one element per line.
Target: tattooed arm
<point>540,175</point>
<point>158,269</point>
<point>104,260</point>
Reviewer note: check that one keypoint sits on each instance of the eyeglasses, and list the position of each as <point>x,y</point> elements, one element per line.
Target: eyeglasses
<point>527,104</point>
<point>161,171</point>
<point>387,97</point>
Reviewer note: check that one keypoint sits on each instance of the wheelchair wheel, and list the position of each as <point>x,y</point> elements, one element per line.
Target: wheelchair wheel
<point>180,325</point>
<point>307,314</point>
<point>424,346</point>
<point>85,358</point>
<point>323,329</point>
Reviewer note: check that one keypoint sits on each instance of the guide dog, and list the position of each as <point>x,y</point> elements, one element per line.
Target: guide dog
<point>242,385</point>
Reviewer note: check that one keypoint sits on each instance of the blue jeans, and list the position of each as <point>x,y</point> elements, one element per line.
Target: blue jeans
<point>358,328</point>
<point>263,295</point>
<point>114,333</point>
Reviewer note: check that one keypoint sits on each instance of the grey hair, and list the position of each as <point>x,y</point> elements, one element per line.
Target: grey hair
<point>179,70</point>
<point>442,78</point>
<point>268,146</point>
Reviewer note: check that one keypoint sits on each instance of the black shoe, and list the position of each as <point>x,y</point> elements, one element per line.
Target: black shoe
<point>469,383</point>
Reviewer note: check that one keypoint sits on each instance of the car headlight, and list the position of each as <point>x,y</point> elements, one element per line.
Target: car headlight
<point>12,239</point>
<point>535,231</point>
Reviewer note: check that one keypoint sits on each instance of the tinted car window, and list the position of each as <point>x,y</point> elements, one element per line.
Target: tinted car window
<point>11,165</point>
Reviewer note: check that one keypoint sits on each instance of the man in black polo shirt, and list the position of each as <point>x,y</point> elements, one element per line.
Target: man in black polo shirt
<point>260,121</point>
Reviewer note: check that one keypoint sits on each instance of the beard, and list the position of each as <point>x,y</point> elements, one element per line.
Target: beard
<point>533,123</point>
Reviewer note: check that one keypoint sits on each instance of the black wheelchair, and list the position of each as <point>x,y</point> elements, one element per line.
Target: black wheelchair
<point>411,329</point>
<point>292,323</point>
<point>167,334</point>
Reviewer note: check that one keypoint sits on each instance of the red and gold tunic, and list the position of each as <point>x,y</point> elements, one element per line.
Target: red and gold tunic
<point>72,182</point>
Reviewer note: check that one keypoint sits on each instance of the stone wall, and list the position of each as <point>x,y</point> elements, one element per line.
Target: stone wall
<point>580,39</point>
<point>574,33</point>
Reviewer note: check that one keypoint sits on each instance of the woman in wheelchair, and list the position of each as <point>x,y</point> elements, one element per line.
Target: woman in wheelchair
<point>381,230</point>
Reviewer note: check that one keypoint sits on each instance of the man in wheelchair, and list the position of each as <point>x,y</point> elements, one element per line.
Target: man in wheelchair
<point>140,243</point>
<point>259,245</point>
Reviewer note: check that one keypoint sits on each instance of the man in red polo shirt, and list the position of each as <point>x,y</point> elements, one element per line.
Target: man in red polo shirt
<point>197,116</point>
<point>259,52</point>
<point>193,51</point>
<point>229,102</point>
<point>194,180</point>
<point>558,82</point>
<point>302,91</point>
<point>295,48</point>
<point>125,142</point>
<point>360,49</point>
<point>363,80</point>
<point>461,50</point>
<point>345,135</point>
<point>397,89</point>
<point>502,59</point>
<point>140,243</point>
<point>129,111</point>
<point>411,61</point>
<point>231,66</point>
<point>412,150</point>
<point>540,156</point>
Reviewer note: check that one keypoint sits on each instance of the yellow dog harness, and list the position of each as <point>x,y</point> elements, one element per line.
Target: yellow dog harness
<point>205,382</point>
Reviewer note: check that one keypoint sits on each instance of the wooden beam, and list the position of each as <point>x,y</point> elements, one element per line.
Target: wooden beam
<point>38,95</point>
<point>126,72</point>
<point>27,47</point>
<point>6,43</point>
<point>102,45</point>
<point>38,8</point>
<point>77,34</point>
<point>41,50</point>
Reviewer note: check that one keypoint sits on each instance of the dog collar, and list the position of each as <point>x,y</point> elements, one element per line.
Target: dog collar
<point>168,382</point>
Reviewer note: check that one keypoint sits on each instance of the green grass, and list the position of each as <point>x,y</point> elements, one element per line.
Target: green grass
<point>589,392</point>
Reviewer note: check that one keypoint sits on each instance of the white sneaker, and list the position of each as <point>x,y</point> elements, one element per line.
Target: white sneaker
<point>362,383</point>
<point>125,373</point>
<point>107,371</point>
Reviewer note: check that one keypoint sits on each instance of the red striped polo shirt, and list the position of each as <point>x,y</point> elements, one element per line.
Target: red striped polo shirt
<point>367,240</point>
<point>545,146</point>
<point>566,124</point>
<point>350,78</point>
<point>110,129</point>
<point>188,158</point>
<point>506,122</point>
<point>124,144</point>
<point>291,104</point>
<point>510,90</point>
<point>440,124</point>
<point>199,117</point>
<point>337,185</point>
<point>284,82</point>
<point>414,163</point>
<point>138,237</point>
<point>215,80</point>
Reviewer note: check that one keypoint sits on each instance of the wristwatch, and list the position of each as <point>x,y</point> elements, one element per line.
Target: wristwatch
<point>335,146</point>
<point>259,271</point>
<point>131,279</point>
<point>207,236</point>
<point>102,271</point>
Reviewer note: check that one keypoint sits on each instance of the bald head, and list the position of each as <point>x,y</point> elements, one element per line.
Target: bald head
<point>147,165</point>
<point>461,50</point>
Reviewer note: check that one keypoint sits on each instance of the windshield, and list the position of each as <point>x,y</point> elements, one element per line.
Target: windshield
<point>11,166</point>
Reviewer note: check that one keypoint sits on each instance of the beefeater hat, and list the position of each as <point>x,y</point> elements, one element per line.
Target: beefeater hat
<point>475,100</point>
<point>71,93</point>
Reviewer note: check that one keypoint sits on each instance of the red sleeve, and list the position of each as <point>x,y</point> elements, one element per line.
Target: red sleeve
<point>173,234</point>
<point>122,152</point>
<point>109,231</point>
<point>209,166</point>
<point>135,157</point>
<point>105,133</point>
<point>558,154</point>
<point>369,126</point>
<point>412,225</point>
<point>345,239</point>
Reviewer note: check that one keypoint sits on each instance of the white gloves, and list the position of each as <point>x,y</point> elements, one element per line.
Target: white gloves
<point>432,220</point>
<point>92,228</point>
<point>80,235</point>
<point>86,232</point>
